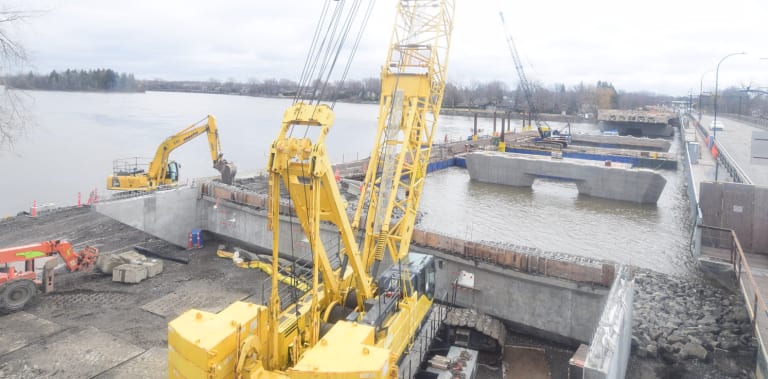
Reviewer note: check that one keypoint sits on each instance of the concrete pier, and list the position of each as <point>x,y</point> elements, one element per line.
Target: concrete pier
<point>609,182</point>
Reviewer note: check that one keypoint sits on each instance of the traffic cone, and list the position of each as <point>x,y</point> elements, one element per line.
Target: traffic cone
<point>190,240</point>
<point>79,205</point>
<point>34,208</point>
<point>337,175</point>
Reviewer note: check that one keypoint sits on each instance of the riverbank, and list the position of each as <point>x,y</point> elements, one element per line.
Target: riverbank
<point>689,328</point>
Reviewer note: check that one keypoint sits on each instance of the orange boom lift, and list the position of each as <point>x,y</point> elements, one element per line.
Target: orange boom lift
<point>17,288</point>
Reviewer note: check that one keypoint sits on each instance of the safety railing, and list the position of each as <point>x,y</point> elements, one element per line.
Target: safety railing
<point>130,166</point>
<point>721,238</point>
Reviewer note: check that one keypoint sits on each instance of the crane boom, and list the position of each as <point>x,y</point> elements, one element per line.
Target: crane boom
<point>547,136</point>
<point>524,84</point>
<point>412,87</point>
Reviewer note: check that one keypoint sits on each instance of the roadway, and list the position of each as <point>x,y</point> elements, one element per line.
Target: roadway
<point>737,141</point>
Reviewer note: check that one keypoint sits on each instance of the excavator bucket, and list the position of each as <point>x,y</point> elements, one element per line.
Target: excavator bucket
<point>227,170</point>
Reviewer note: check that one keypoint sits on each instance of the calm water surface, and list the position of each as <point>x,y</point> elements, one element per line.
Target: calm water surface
<point>76,136</point>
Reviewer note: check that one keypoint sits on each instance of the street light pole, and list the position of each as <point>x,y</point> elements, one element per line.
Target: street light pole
<point>714,116</point>
<point>701,90</point>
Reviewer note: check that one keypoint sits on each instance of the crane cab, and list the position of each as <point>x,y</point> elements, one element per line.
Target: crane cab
<point>414,277</point>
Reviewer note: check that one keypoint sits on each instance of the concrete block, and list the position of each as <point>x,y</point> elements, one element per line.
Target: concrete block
<point>129,273</point>
<point>107,263</point>
<point>132,257</point>
<point>153,266</point>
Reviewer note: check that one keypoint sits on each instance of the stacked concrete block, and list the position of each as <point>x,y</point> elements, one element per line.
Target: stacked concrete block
<point>129,273</point>
<point>153,267</point>
<point>129,266</point>
<point>107,263</point>
<point>132,257</point>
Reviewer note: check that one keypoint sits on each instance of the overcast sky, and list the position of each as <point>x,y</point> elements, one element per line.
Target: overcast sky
<point>657,46</point>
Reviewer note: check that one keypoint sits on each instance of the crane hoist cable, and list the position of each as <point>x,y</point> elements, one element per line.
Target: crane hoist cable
<point>331,34</point>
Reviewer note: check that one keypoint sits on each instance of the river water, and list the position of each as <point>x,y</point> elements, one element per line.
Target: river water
<point>74,138</point>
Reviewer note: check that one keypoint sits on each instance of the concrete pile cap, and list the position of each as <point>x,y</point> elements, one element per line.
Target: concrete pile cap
<point>480,322</point>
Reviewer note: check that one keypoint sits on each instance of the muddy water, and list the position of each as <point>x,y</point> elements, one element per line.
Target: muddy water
<point>76,136</point>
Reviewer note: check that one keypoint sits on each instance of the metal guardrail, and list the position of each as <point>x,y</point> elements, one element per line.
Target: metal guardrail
<point>722,238</point>
<point>737,173</point>
<point>730,165</point>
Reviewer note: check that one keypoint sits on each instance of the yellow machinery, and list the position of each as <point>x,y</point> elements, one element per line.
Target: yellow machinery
<point>352,323</point>
<point>133,175</point>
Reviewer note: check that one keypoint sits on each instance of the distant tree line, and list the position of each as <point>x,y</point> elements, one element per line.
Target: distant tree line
<point>578,99</point>
<point>365,90</point>
<point>77,80</point>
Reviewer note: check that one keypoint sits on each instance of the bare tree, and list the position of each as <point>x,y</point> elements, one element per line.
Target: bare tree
<point>13,115</point>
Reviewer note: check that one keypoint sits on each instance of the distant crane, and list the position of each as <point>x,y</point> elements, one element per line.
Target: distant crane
<point>547,136</point>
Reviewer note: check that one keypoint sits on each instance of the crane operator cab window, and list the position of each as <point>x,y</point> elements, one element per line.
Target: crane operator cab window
<point>429,279</point>
<point>173,172</point>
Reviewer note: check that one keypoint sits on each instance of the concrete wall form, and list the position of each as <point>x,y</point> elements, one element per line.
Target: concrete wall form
<point>741,207</point>
<point>561,298</point>
<point>609,352</point>
<point>553,308</point>
<point>169,215</point>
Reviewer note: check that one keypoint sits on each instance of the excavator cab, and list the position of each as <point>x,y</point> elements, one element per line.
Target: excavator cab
<point>173,171</point>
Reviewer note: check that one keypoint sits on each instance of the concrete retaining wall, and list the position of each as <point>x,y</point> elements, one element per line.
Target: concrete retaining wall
<point>556,297</point>
<point>543,305</point>
<point>635,185</point>
<point>169,215</point>
<point>609,352</point>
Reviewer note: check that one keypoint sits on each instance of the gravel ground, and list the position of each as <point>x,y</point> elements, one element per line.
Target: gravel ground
<point>113,311</point>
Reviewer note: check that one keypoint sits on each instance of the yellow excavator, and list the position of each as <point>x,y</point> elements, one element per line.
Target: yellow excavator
<point>353,322</point>
<point>134,174</point>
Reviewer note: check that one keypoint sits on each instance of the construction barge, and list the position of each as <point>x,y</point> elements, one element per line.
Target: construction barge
<point>654,122</point>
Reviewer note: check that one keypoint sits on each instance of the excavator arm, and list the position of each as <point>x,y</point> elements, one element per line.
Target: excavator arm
<point>130,176</point>
<point>159,165</point>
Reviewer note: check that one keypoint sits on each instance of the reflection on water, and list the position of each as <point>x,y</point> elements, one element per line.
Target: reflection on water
<point>553,216</point>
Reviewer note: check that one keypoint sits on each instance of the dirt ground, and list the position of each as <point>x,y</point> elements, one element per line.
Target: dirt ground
<point>93,327</point>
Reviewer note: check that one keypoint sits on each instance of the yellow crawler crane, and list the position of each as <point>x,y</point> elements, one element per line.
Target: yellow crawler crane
<point>351,323</point>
